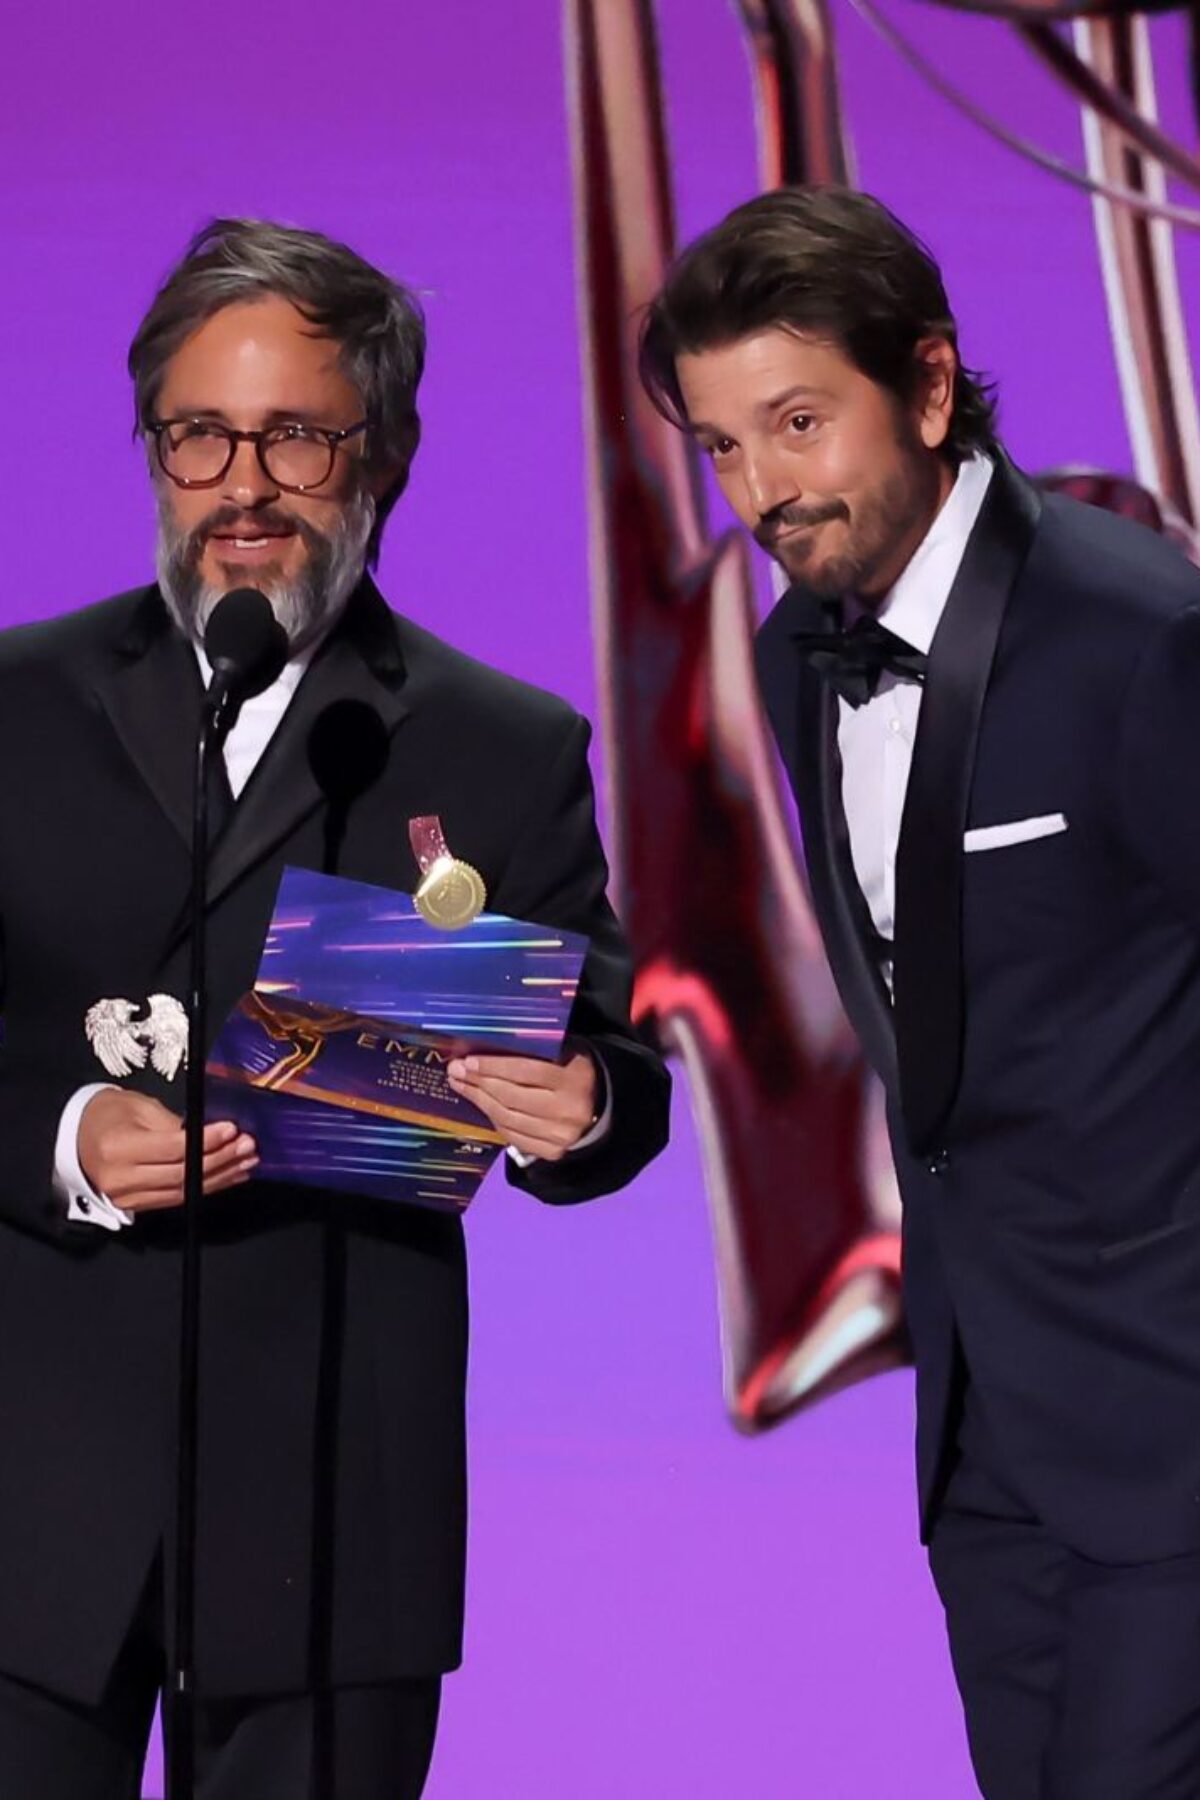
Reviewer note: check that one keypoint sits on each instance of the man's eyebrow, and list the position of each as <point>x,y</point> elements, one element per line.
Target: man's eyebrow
<point>802,391</point>
<point>764,408</point>
<point>197,412</point>
<point>279,415</point>
<point>297,415</point>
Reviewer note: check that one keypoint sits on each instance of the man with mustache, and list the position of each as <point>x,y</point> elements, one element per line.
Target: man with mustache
<point>988,705</point>
<point>275,379</point>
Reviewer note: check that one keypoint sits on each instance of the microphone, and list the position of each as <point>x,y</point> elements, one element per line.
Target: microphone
<point>246,647</point>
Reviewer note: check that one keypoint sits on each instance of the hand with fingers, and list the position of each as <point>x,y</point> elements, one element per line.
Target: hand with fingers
<point>131,1148</point>
<point>540,1108</point>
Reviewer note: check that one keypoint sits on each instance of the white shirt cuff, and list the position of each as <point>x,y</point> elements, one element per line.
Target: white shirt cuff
<point>84,1205</point>
<point>592,1135</point>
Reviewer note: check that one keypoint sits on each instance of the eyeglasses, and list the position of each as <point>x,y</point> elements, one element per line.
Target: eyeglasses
<point>198,453</point>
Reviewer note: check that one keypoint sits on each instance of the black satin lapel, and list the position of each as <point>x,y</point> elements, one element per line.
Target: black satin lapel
<point>356,680</point>
<point>837,898</point>
<point>284,788</point>
<point>928,960</point>
<point>152,692</point>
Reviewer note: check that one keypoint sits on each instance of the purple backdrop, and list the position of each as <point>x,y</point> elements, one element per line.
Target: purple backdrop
<point>657,1608</point>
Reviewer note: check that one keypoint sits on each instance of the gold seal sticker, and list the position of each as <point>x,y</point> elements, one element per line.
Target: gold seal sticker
<point>451,894</point>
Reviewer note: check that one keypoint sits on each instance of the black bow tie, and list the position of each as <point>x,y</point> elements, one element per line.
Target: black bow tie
<point>854,661</point>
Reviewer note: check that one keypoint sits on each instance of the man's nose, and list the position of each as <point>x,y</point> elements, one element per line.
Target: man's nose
<point>768,483</point>
<point>246,482</point>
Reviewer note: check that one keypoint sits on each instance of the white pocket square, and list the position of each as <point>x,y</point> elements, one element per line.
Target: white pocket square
<point>1020,831</point>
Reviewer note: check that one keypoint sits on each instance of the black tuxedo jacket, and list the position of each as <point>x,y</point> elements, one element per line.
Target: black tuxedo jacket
<point>1042,1058</point>
<point>332,1503</point>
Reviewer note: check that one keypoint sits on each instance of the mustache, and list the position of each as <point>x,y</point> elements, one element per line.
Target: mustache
<point>786,518</point>
<point>224,518</point>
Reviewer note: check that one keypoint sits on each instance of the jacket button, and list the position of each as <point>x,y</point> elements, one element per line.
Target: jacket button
<point>939,1162</point>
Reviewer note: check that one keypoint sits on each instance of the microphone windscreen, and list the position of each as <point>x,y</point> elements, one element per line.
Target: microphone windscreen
<point>347,751</point>
<point>245,642</point>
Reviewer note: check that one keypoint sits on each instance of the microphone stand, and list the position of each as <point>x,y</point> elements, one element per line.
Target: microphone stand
<point>181,1734</point>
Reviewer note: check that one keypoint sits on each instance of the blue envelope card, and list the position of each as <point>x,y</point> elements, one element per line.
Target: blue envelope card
<point>336,1060</point>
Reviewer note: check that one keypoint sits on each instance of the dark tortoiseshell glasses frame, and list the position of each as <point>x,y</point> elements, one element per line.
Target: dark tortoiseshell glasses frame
<point>268,443</point>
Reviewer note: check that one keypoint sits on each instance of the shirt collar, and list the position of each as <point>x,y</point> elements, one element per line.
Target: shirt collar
<point>915,604</point>
<point>284,684</point>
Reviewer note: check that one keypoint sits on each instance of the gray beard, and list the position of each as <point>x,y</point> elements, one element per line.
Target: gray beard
<point>306,607</point>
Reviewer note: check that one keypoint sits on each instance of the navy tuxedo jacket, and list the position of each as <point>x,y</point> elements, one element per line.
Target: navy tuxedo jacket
<point>334,1330</point>
<point>1042,1058</point>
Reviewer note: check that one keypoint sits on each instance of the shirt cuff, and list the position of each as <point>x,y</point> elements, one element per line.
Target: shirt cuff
<point>84,1205</point>
<point>592,1135</point>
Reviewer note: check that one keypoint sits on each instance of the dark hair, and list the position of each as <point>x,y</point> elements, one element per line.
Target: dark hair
<point>825,261</point>
<point>376,323</point>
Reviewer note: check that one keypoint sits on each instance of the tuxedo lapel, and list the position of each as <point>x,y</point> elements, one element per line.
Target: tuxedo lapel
<point>357,679</point>
<point>329,745</point>
<point>152,692</point>
<point>928,960</point>
<point>810,750</point>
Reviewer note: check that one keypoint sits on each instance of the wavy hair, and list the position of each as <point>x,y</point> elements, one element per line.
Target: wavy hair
<point>824,262</point>
<point>376,323</point>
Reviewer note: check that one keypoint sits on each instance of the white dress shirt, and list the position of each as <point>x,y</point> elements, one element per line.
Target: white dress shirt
<point>252,731</point>
<point>875,740</point>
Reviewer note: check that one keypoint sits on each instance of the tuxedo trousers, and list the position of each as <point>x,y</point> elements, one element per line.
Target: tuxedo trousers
<point>1079,1680</point>
<point>369,1742</point>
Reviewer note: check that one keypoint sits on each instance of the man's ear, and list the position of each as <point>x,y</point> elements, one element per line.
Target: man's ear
<point>937,364</point>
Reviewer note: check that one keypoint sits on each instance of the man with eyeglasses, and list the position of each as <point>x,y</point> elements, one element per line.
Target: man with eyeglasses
<point>275,379</point>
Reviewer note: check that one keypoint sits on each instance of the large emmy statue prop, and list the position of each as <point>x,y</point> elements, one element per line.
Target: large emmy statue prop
<point>730,973</point>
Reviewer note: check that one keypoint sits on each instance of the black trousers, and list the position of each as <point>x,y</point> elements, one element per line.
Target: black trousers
<point>373,1742</point>
<point>1080,1681</point>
